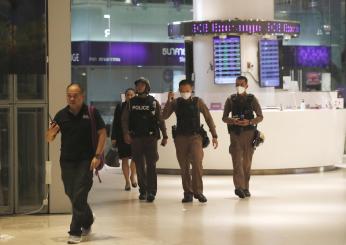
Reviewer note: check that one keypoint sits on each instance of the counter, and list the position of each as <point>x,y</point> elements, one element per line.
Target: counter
<point>294,139</point>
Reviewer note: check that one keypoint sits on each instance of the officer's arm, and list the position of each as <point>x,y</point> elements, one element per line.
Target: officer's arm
<point>257,109</point>
<point>102,136</point>
<point>162,123</point>
<point>226,110</point>
<point>207,116</point>
<point>168,109</point>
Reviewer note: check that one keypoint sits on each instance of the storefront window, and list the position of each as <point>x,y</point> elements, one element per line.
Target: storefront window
<point>320,51</point>
<point>116,42</point>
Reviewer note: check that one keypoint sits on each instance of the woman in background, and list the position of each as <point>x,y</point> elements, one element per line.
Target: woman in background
<point>123,148</point>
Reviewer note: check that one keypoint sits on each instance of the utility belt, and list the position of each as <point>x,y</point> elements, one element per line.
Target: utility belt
<point>201,132</point>
<point>176,132</point>
<point>238,129</point>
<point>145,134</point>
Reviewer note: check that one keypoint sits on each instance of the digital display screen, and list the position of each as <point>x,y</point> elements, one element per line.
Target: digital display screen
<point>313,56</point>
<point>313,78</point>
<point>227,61</point>
<point>269,68</point>
<point>190,28</point>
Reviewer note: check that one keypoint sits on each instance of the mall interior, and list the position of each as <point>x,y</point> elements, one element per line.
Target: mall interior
<point>293,53</point>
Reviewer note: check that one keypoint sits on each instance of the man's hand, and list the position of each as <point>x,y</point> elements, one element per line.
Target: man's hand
<point>114,143</point>
<point>52,131</point>
<point>244,122</point>
<point>170,96</point>
<point>127,138</point>
<point>94,163</point>
<point>164,142</point>
<point>215,143</point>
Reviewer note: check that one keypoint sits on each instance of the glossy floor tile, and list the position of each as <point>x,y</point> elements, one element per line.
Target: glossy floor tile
<point>284,210</point>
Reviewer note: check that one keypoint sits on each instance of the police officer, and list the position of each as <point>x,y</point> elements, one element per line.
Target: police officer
<point>142,122</point>
<point>187,139</point>
<point>241,127</point>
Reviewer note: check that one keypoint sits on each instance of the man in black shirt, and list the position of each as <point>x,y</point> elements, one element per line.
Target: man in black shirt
<point>78,158</point>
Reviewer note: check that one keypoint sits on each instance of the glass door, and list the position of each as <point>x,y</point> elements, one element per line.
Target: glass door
<point>23,106</point>
<point>6,161</point>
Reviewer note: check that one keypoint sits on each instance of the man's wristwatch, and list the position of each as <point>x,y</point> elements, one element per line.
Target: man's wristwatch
<point>97,156</point>
<point>250,122</point>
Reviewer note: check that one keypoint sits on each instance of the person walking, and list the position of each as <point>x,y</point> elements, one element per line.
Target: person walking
<point>78,158</point>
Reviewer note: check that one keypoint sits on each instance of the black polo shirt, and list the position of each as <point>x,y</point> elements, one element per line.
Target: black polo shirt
<point>76,134</point>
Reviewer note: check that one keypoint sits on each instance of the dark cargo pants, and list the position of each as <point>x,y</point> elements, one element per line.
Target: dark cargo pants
<point>77,179</point>
<point>145,155</point>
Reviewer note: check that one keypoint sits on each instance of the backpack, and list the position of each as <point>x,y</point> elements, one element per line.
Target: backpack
<point>94,137</point>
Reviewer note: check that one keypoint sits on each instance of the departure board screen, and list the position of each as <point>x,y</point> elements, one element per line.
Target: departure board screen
<point>227,62</point>
<point>269,68</point>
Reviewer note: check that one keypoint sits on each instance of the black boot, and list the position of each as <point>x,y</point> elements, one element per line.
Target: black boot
<point>200,197</point>
<point>247,193</point>
<point>240,193</point>
<point>187,198</point>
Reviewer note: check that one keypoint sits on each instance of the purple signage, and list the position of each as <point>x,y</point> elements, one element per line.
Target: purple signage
<point>128,54</point>
<point>190,28</point>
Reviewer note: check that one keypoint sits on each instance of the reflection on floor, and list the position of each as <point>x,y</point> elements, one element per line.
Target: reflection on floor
<point>284,209</point>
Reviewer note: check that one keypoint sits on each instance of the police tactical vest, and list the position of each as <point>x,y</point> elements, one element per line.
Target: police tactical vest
<point>143,120</point>
<point>241,108</point>
<point>188,116</point>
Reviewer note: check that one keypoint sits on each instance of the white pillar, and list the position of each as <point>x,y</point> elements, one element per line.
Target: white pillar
<point>203,45</point>
<point>59,39</point>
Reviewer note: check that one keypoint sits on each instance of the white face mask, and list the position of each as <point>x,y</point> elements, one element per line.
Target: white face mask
<point>240,90</point>
<point>185,96</point>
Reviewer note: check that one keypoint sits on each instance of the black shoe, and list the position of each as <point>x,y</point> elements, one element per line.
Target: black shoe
<point>200,197</point>
<point>247,193</point>
<point>150,197</point>
<point>134,184</point>
<point>142,196</point>
<point>187,198</point>
<point>240,193</point>
<point>127,187</point>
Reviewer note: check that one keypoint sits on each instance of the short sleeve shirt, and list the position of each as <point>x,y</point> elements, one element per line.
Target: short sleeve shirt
<point>76,134</point>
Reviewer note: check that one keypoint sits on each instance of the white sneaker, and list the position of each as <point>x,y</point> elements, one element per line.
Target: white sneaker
<point>86,232</point>
<point>74,239</point>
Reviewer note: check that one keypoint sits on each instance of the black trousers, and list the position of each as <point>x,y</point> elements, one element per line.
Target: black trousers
<point>145,155</point>
<point>77,179</point>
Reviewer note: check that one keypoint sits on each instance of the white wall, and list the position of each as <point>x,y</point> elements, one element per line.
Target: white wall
<point>59,43</point>
<point>230,9</point>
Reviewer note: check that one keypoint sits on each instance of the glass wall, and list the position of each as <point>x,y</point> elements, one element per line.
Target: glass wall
<point>116,42</point>
<point>323,36</point>
<point>23,103</point>
<point>4,158</point>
